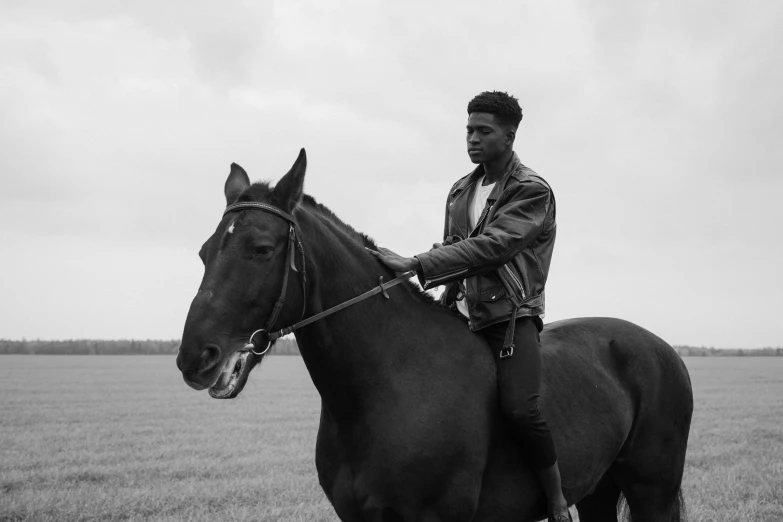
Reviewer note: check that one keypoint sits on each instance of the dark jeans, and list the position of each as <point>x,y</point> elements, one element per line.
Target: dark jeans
<point>519,382</point>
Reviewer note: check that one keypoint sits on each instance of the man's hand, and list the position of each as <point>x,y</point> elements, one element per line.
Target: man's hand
<point>395,261</point>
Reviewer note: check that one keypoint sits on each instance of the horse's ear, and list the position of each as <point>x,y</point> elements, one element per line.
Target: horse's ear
<point>236,183</point>
<point>288,190</point>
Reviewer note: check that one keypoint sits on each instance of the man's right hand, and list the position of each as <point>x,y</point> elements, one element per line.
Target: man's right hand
<point>436,245</point>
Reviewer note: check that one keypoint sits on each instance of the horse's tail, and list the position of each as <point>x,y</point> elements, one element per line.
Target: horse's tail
<point>679,513</point>
<point>623,512</point>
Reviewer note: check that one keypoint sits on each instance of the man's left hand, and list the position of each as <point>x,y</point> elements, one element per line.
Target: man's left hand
<point>395,261</point>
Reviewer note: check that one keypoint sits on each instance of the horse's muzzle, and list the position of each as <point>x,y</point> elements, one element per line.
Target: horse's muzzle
<point>199,372</point>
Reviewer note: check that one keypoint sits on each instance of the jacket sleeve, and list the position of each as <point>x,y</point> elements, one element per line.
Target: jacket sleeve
<point>515,225</point>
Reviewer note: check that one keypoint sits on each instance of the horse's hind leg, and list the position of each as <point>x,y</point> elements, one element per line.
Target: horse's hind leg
<point>650,464</point>
<point>650,477</point>
<point>601,504</point>
<point>652,503</point>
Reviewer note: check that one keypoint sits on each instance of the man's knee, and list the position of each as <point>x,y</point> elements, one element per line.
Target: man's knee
<point>525,415</point>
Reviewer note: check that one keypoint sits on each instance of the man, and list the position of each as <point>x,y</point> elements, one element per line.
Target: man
<point>498,241</point>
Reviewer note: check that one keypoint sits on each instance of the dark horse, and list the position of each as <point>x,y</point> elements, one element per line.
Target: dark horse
<point>410,425</point>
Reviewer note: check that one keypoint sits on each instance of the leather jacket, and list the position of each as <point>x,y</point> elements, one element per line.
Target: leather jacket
<point>505,259</point>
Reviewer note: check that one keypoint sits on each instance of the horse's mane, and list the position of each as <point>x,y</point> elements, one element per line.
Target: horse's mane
<point>261,191</point>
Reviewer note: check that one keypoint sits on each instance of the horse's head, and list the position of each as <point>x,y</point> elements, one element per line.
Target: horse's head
<point>245,261</point>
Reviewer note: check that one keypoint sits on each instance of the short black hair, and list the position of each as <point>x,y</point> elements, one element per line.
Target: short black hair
<point>503,105</point>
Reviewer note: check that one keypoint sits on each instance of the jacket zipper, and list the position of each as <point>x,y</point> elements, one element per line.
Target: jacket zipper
<point>482,218</point>
<point>516,280</point>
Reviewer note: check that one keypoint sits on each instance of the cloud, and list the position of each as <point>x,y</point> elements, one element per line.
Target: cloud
<point>655,125</point>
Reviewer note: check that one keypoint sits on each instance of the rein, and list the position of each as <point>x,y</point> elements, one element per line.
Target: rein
<point>290,264</point>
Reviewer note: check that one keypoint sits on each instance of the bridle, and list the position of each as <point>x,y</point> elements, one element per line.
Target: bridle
<point>294,244</point>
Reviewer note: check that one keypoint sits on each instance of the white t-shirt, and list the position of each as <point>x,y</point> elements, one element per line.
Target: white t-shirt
<point>474,213</point>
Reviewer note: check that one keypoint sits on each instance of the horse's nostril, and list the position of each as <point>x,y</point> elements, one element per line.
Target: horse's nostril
<point>209,358</point>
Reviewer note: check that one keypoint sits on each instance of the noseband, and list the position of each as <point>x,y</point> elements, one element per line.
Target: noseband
<point>290,264</point>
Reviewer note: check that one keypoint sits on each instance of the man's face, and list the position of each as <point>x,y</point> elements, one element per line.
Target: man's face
<point>486,138</point>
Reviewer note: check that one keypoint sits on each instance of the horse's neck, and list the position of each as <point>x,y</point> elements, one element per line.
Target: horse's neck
<point>347,353</point>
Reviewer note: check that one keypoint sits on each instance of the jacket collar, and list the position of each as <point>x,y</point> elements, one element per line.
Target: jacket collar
<point>511,168</point>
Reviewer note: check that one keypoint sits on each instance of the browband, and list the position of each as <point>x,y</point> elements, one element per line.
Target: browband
<point>260,206</point>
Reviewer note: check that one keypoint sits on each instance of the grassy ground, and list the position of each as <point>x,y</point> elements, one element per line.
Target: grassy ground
<point>735,452</point>
<point>123,438</point>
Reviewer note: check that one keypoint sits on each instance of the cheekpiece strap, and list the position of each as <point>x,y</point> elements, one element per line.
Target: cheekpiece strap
<point>290,263</point>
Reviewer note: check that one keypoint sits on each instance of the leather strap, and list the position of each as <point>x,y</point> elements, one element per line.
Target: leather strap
<point>290,264</point>
<point>508,343</point>
<point>381,288</point>
<point>260,206</point>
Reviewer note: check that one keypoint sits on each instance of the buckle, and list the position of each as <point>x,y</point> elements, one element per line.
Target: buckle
<point>252,347</point>
<point>507,352</point>
<point>383,288</point>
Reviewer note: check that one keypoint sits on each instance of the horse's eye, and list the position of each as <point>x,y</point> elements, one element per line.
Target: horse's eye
<point>264,252</point>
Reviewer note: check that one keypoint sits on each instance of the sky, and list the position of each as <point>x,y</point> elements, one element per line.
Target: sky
<point>657,124</point>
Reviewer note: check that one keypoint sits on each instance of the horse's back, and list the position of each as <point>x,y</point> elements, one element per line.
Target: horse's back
<point>612,354</point>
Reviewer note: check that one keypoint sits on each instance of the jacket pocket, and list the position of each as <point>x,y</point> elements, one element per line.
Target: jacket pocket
<point>493,294</point>
<point>515,280</point>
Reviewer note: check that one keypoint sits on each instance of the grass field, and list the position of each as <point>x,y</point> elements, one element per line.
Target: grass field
<point>123,438</point>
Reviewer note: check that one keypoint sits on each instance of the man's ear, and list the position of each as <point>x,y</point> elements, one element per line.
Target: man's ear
<point>511,135</point>
<point>236,183</point>
<point>288,190</point>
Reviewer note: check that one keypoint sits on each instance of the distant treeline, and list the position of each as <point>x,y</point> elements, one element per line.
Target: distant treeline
<point>701,351</point>
<point>282,347</point>
<point>121,347</point>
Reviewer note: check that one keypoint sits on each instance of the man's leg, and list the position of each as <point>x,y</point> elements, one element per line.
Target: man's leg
<point>550,481</point>
<point>519,382</point>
